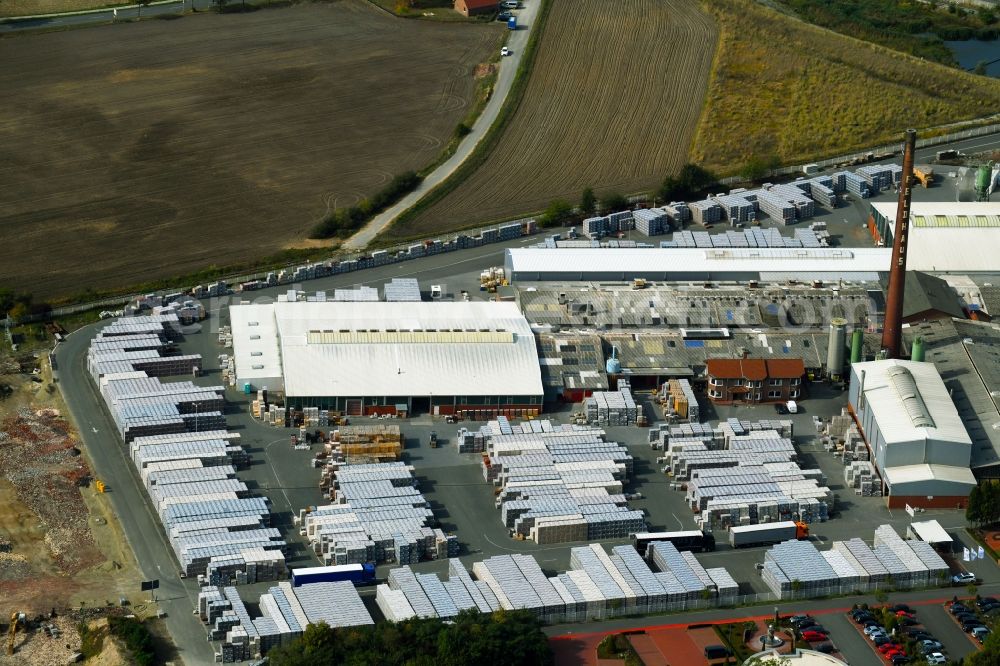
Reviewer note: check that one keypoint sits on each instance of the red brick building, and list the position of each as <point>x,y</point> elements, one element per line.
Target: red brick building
<point>473,7</point>
<point>754,380</point>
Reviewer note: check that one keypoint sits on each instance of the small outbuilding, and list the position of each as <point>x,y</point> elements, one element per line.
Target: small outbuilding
<point>475,7</point>
<point>930,531</point>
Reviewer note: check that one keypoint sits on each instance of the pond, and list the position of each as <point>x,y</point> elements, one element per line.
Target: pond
<point>970,52</point>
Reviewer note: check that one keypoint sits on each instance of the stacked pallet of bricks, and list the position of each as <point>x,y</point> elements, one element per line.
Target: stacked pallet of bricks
<point>794,196</point>
<point>176,437</point>
<point>856,185</point>
<point>705,212</point>
<point>862,477</point>
<point>777,207</point>
<point>378,515</point>
<point>737,208</point>
<point>599,585</point>
<point>652,221</point>
<point>559,483</point>
<point>467,441</point>
<point>368,443</point>
<point>797,570</point>
<point>880,177</point>
<point>678,212</point>
<point>253,565</point>
<point>286,611</point>
<point>821,189</point>
<point>679,399</point>
<point>616,408</point>
<point>613,223</point>
<point>227,364</point>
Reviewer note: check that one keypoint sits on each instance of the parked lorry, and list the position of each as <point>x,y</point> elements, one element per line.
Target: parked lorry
<point>766,534</point>
<point>359,574</point>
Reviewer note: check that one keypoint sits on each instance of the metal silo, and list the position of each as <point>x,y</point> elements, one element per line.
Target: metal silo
<point>837,348</point>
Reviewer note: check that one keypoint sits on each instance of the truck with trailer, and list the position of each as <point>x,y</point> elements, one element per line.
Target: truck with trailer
<point>767,534</point>
<point>359,574</point>
<point>693,540</point>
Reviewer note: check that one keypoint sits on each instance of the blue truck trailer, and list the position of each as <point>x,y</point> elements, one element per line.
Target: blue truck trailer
<point>359,574</point>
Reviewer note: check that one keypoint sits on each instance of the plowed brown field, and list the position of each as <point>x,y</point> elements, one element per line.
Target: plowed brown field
<point>140,151</point>
<point>612,103</point>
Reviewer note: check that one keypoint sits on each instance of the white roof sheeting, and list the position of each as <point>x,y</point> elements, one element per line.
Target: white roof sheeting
<point>914,473</point>
<point>930,531</point>
<point>950,236</point>
<point>902,406</point>
<point>389,349</point>
<point>838,261</point>
<point>255,342</point>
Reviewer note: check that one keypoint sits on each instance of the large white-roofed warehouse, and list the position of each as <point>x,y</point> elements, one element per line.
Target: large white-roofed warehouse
<point>768,264</point>
<point>917,439</point>
<point>384,358</point>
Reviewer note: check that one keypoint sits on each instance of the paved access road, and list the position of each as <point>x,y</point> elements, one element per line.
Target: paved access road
<point>505,79</point>
<point>111,464</point>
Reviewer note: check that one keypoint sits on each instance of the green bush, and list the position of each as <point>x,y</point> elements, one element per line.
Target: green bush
<point>138,641</point>
<point>345,221</point>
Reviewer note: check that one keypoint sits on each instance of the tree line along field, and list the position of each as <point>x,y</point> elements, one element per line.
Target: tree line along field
<point>140,151</point>
<point>785,89</point>
<point>612,102</point>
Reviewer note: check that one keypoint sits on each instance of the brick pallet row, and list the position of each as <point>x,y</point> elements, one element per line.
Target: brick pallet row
<point>797,570</point>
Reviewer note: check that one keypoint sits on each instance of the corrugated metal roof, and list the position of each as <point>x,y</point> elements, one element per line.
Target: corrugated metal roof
<point>464,365</point>
<point>890,407</point>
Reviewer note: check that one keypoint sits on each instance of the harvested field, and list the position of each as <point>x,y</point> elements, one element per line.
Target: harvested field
<point>612,102</point>
<point>172,146</point>
<point>784,88</point>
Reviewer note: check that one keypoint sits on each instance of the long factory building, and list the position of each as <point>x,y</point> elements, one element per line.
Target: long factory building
<point>375,358</point>
<point>678,264</point>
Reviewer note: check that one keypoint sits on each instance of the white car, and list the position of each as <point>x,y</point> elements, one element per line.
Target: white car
<point>936,658</point>
<point>963,578</point>
<point>505,51</point>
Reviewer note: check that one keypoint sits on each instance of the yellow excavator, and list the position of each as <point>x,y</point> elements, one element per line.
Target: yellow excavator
<point>16,620</point>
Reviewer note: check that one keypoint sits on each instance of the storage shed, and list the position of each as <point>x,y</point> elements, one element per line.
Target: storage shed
<point>918,441</point>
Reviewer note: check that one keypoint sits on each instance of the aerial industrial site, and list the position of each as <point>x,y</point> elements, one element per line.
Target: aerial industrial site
<point>748,417</point>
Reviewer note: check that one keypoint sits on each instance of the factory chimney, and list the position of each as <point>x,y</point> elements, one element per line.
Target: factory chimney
<point>892,330</point>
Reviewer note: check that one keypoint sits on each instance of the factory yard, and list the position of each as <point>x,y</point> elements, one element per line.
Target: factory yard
<point>214,140</point>
<point>600,110</point>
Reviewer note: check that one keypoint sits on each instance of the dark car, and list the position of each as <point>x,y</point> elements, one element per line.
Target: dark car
<point>825,648</point>
<point>972,626</point>
<point>900,607</point>
<point>966,617</point>
<point>919,634</point>
<point>959,608</point>
<point>818,628</point>
<point>880,640</point>
<point>899,659</point>
<point>986,600</point>
<point>780,408</point>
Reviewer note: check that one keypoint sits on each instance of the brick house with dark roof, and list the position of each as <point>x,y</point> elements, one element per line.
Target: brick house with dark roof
<point>754,380</point>
<point>474,7</point>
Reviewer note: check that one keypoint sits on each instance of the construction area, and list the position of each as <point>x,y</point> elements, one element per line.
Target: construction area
<point>62,549</point>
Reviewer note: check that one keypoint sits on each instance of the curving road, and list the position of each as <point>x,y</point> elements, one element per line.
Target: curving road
<point>517,42</point>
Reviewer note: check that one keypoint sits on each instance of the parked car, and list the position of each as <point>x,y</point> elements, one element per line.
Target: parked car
<point>956,607</point>
<point>798,619</point>
<point>874,628</point>
<point>970,627</point>
<point>919,634</point>
<point>964,578</point>
<point>879,639</point>
<point>899,659</point>
<point>981,634</point>
<point>505,51</point>
<point>780,408</point>
<point>813,636</point>
<point>885,648</point>
<point>895,608</point>
<point>982,601</point>
<point>936,658</point>
<point>930,645</point>
<point>825,648</point>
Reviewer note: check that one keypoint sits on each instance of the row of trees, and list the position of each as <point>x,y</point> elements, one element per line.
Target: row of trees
<point>984,504</point>
<point>471,638</point>
<point>18,305</point>
<point>691,182</point>
<point>345,221</point>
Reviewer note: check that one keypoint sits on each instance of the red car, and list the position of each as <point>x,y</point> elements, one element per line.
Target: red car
<point>903,613</point>
<point>888,646</point>
<point>813,636</point>
<point>892,653</point>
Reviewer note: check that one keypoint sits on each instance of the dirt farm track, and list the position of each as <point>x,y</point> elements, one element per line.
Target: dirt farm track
<point>132,152</point>
<point>612,103</point>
